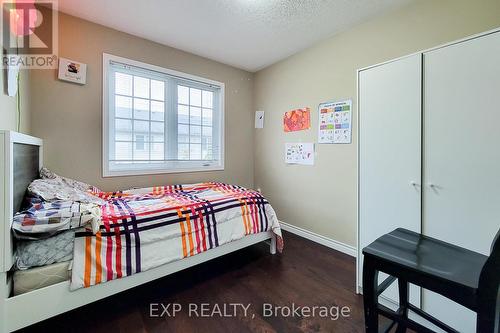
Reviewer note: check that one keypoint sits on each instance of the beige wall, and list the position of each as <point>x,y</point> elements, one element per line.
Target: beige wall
<point>68,116</point>
<point>8,105</point>
<point>322,198</point>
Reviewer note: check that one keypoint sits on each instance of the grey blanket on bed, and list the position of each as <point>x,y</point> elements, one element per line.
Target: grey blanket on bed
<point>58,248</point>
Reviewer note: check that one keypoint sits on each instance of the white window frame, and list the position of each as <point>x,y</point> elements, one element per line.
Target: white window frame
<point>106,59</point>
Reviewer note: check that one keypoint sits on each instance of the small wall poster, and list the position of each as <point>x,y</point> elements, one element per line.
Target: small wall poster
<point>297,120</point>
<point>335,122</point>
<point>72,71</point>
<point>299,153</point>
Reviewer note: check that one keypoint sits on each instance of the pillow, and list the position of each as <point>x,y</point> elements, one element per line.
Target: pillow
<point>53,187</point>
<point>44,219</point>
<point>58,248</point>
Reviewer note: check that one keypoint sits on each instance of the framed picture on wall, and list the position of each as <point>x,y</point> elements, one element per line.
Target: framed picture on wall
<point>72,71</point>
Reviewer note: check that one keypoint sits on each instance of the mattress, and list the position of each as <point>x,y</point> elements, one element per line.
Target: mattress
<point>35,278</point>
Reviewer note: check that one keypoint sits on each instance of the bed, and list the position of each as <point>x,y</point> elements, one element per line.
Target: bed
<point>144,234</point>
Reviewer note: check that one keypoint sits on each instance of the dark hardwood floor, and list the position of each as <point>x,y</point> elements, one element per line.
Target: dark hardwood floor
<point>306,274</point>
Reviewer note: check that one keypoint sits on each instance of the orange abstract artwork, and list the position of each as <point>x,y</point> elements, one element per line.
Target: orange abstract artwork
<point>297,120</point>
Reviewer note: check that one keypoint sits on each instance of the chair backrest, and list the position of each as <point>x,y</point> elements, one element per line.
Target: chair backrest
<point>496,243</point>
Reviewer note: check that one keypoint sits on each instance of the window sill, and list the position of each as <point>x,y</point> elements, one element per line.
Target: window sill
<point>120,173</point>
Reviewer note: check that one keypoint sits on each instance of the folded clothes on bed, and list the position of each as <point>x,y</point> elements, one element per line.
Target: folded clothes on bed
<point>56,203</point>
<point>53,187</point>
<point>43,219</point>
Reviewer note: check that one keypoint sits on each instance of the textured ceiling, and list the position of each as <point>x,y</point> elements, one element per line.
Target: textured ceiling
<point>249,34</point>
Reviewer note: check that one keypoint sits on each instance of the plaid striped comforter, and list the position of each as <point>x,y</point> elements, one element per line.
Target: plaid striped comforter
<point>145,228</point>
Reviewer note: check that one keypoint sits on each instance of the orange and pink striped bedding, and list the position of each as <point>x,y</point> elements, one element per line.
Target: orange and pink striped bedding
<point>145,228</point>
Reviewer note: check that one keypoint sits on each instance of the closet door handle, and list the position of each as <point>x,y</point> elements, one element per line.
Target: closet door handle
<point>414,184</point>
<point>434,187</point>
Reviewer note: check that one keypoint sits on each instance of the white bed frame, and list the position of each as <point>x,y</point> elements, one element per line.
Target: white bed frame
<point>26,309</point>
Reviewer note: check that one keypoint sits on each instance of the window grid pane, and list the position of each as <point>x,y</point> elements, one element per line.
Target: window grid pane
<point>139,118</point>
<point>194,124</point>
<point>123,84</point>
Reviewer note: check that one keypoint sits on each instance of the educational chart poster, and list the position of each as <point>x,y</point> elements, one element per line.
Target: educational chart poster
<point>335,122</point>
<point>297,120</point>
<point>299,153</point>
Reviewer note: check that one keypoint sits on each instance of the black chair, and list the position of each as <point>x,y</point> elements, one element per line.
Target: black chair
<point>466,277</point>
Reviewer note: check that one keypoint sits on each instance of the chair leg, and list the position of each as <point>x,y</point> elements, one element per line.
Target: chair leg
<point>370,299</point>
<point>404,294</point>
<point>488,320</point>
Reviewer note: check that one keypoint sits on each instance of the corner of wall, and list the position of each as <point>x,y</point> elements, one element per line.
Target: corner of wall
<point>25,101</point>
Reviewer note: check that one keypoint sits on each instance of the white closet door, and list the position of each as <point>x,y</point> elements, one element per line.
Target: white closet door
<point>389,154</point>
<point>461,154</point>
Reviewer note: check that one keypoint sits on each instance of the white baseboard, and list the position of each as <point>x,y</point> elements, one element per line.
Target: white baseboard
<point>328,242</point>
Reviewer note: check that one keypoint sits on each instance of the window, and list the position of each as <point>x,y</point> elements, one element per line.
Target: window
<point>157,120</point>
